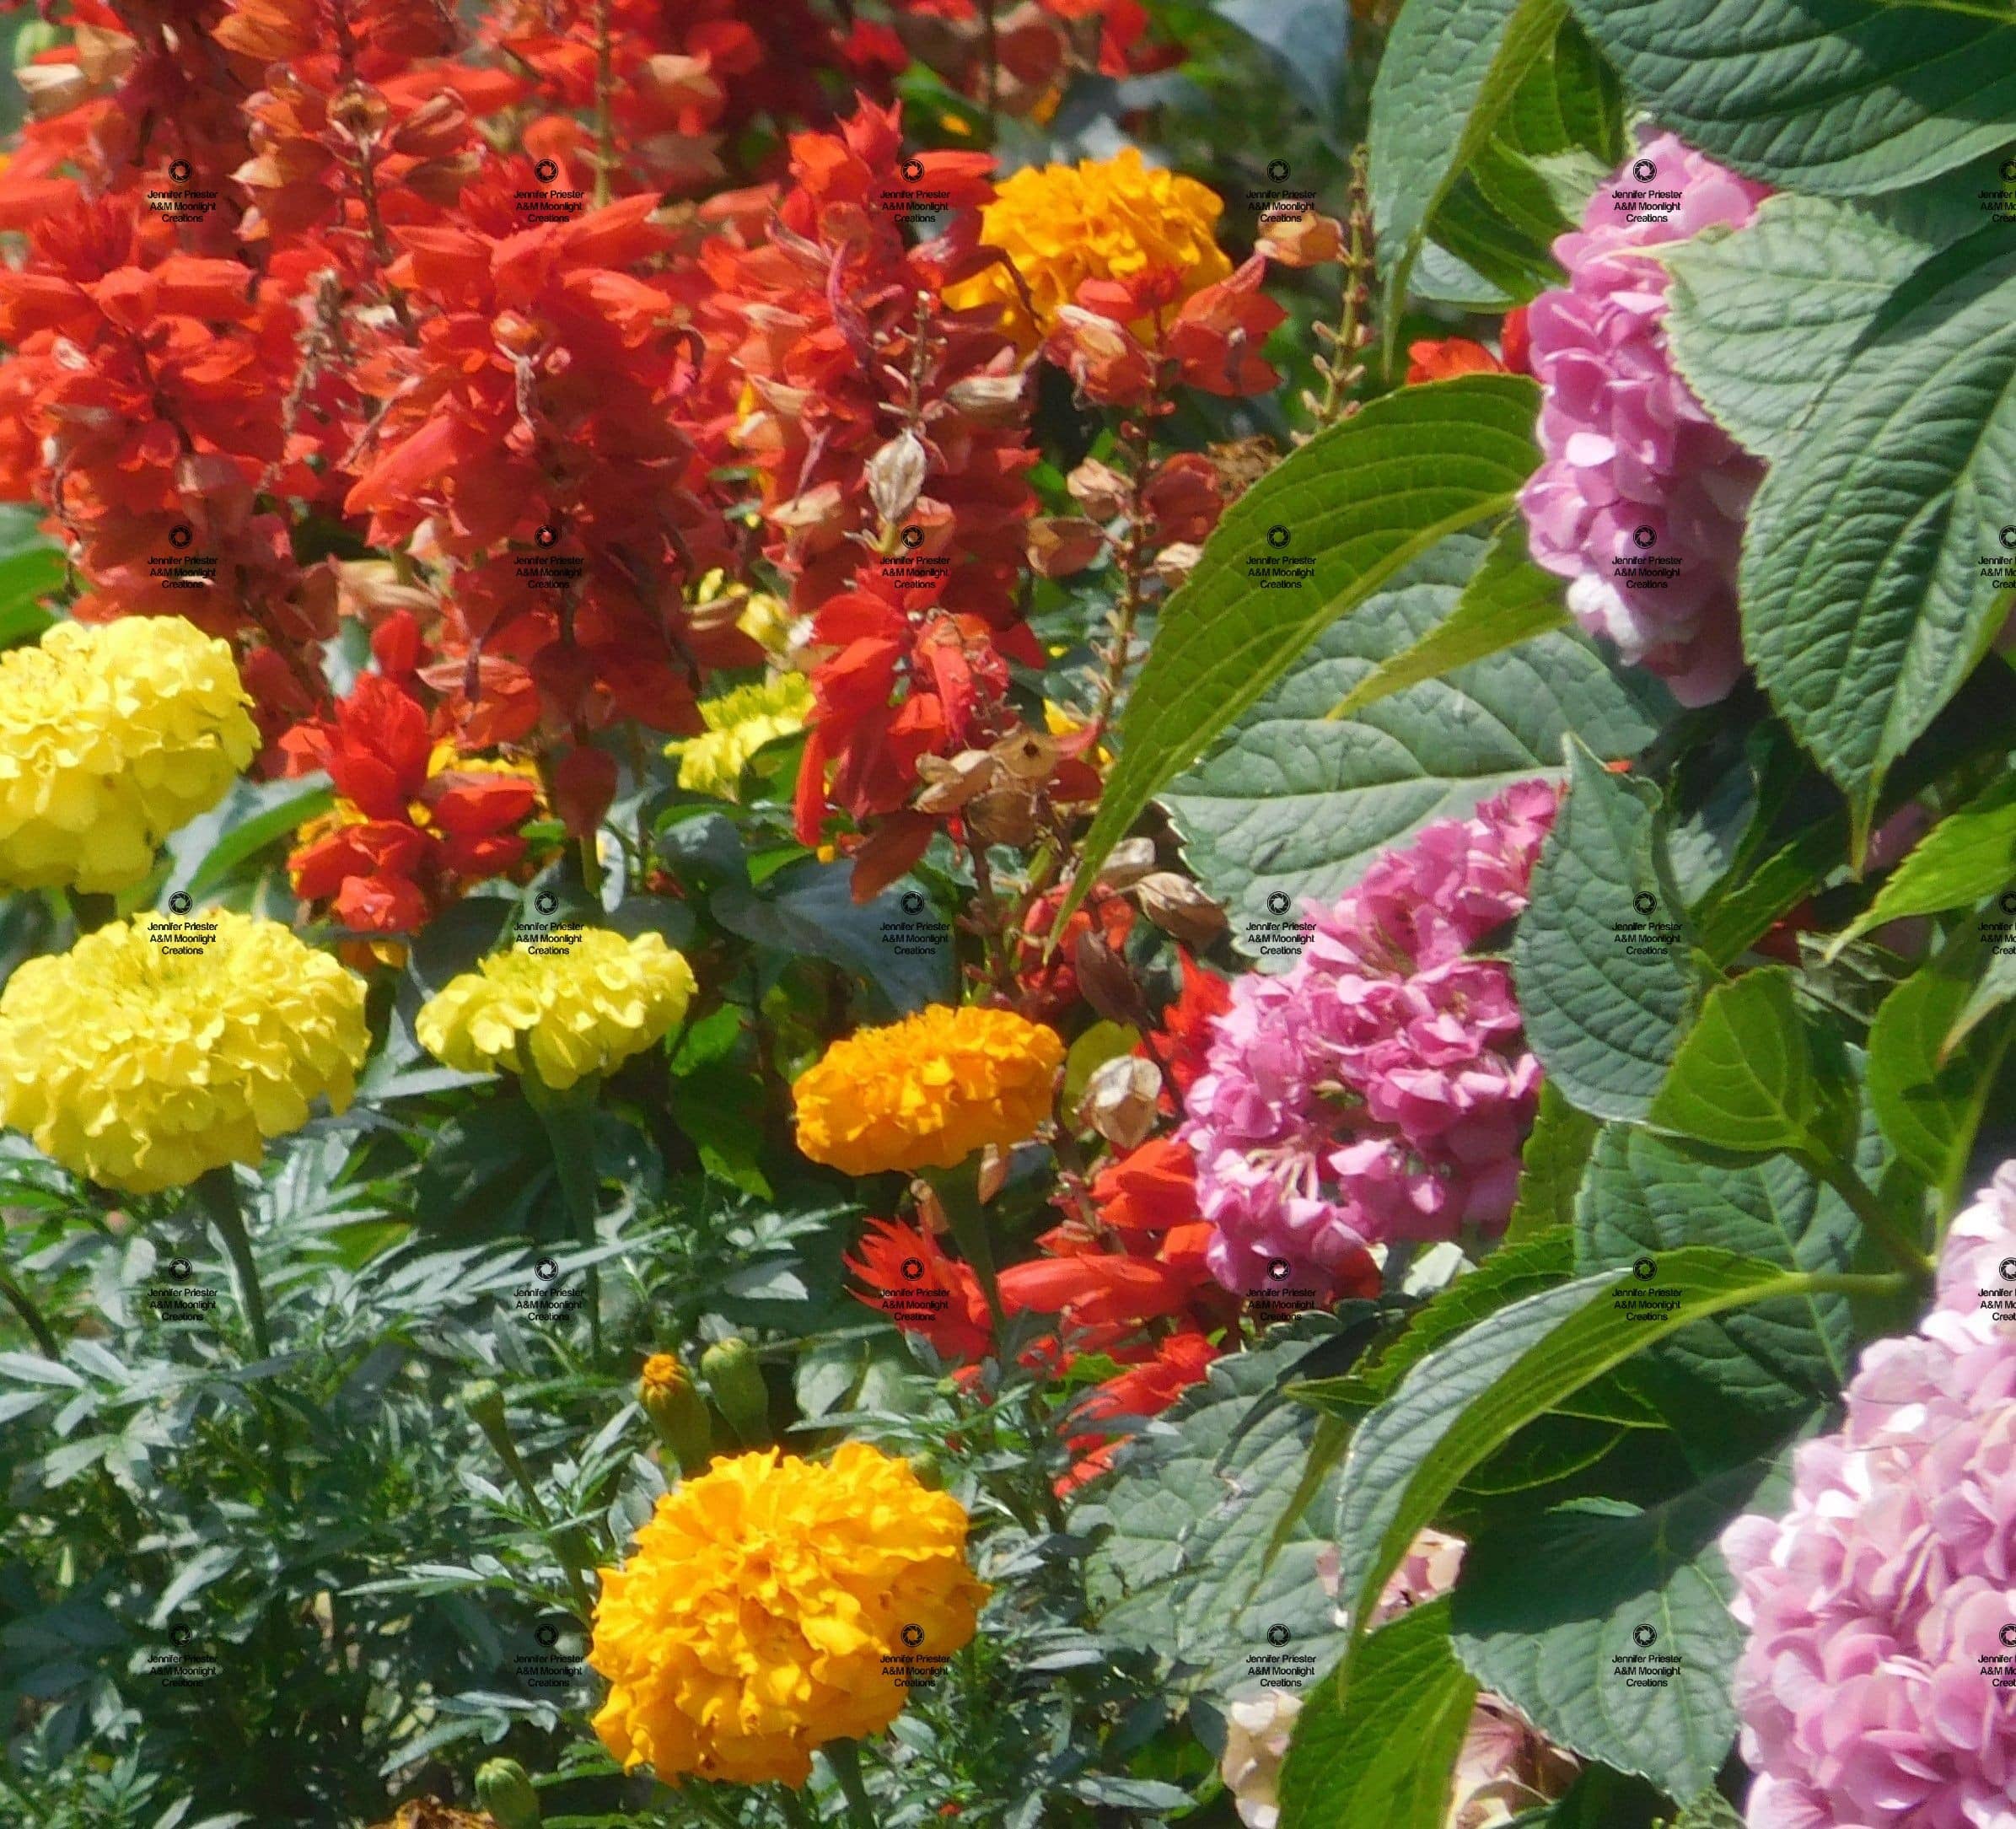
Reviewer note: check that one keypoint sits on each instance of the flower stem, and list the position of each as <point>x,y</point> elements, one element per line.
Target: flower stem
<point>1903,1251</point>
<point>605,84</point>
<point>569,1118</point>
<point>217,1191</point>
<point>844,1757</point>
<point>23,1305</point>
<point>957,1190</point>
<point>496,1430</point>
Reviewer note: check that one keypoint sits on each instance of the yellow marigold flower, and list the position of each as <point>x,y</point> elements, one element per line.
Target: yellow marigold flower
<point>772,1604</point>
<point>156,1049</point>
<point>560,1009</point>
<point>739,723</point>
<point>112,736</point>
<point>1101,219</point>
<point>926,1092</point>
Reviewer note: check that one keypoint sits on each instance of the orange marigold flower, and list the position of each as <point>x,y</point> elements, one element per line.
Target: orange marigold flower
<point>928,1091</point>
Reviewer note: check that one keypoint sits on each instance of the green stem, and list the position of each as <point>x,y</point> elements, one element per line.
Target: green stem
<point>794,1807</point>
<point>957,1190</point>
<point>23,1305</point>
<point>569,1118</point>
<point>91,911</point>
<point>217,1191</point>
<point>498,1431</point>
<point>1903,1251</point>
<point>844,1757</point>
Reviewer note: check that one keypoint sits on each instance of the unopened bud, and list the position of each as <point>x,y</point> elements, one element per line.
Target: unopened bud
<point>1098,489</point>
<point>505,1789</point>
<point>1062,544</point>
<point>989,400</point>
<point>735,1381</point>
<point>992,1174</point>
<point>1120,1100</point>
<point>484,1403</point>
<point>895,477</point>
<point>1107,984</point>
<point>1180,908</point>
<point>1005,815</point>
<point>928,1468</point>
<point>951,781</point>
<point>671,1399</point>
<point>1127,863</point>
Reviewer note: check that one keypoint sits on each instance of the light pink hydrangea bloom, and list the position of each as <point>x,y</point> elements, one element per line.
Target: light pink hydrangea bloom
<point>1878,1686</point>
<point>1380,1088</point>
<point>1641,501</point>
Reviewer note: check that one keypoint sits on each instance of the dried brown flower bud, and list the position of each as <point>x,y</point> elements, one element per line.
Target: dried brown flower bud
<point>1180,908</point>
<point>1060,545</point>
<point>1120,1100</point>
<point>1101,491</point>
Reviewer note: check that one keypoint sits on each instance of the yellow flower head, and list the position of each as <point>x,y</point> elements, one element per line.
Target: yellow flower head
<point>566,1007</point>
<point>739,723</point>
<point>772,1604</point>
<point>112,736</point>
<point>156,1049</point>
<point>1101,219</point>
<point>926,1092</point>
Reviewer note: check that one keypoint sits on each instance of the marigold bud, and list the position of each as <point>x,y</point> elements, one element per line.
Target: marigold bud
<point>505,1789</point>
<point>668,1396</point>
<point>735,1380</point>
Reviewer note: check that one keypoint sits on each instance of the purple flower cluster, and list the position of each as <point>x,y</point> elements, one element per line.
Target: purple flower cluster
<point>1879,1686</point>
<point>1380,1088</point>
<point>1641,499</point>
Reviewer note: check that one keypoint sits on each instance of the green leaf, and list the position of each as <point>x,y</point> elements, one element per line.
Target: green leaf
<point>1510,600</point>
<point>1929,1098</point>
<point>808,908</point>
<point>1359,501</point>
<point>1461,1404</point>
<point>1645,1196</point>
<point>25,579</point>
<point>1967,856</point>
<point>1450,68</point>
<point>1297,804</point>
<point>1865,597</point>
<point>1604,997</point>
<point>1550,1166</point>
<point>1583,1653</point>
<point>1833,96</point>
<point>1762,319</point>
<point>1709,1810</point>
<point>1207,1538</point>
<point>252,816</point>
<point>1746,1078</point>
<point>1377,1739</point>
<point>1997,987</point>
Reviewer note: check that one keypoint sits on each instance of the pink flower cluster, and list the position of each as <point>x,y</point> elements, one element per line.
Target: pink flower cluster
<point>1876,1688</point>
<point>1641,499</point>
<point>1381,1087</point>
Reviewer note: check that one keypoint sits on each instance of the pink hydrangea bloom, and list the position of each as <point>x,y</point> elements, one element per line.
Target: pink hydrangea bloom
<point>1641,501</point>
<point>1879,1686</point>
<point>1381,1087</point>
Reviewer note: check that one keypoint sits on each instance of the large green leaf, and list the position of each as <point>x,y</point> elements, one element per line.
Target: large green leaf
<point>1510,600</point>
<point>1461,1404</point>
<point>1929,1098</point>
<point>1604,996</point>
<point>1586,1654</point>
<point>1866,597</point>
<point>1297,804</point>
<point>1645,1196</point>
<point>1206,1541</point>
<point>1376,1741</point>
<point>1754,1075</point>
<point>1551,1166</point>
<point>1760,319</point>
<point>1967,856</point>
<point>1356,503</point>
<point>1451,68</point>
<point>1833,96</point>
